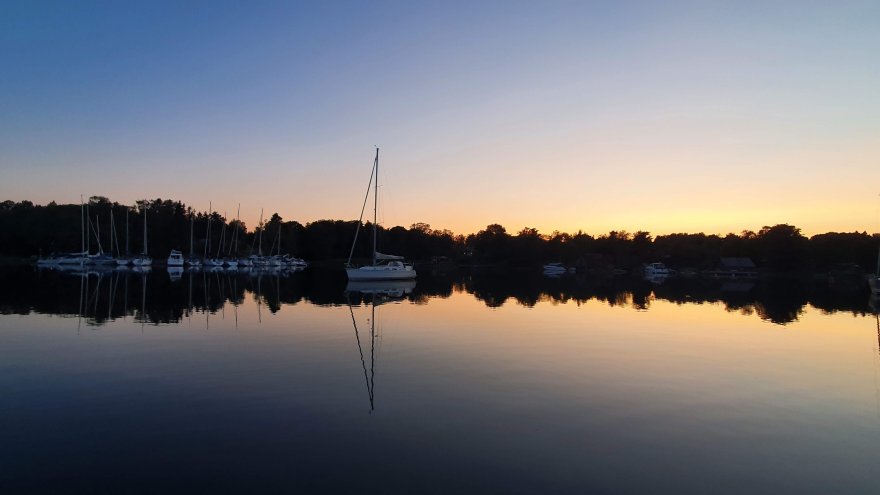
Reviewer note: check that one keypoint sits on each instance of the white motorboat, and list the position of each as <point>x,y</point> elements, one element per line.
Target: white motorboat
<point>384,266</point>
<point>175,258</point>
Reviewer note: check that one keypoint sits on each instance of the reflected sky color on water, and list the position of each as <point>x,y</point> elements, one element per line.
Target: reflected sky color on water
<point>557,397</point>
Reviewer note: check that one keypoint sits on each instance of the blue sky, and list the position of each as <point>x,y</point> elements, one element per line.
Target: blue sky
<point>659,116</point>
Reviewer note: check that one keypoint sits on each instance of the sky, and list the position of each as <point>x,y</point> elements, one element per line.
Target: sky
<point>659,116</point>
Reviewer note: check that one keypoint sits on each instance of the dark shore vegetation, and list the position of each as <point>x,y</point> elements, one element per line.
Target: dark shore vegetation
<point>28,230</point>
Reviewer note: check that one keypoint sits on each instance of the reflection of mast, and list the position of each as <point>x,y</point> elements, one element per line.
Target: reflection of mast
<point>97,294</point>
<point>125,295</point>
<point>876,389</point>
<point>235,300</point>
<point>143,298</point>
<point>110,291</point>
<point>189,306</point>
<point>369,378</point>
<point>222,293</point>
<point>80,309</point>
<point>259,298</point>
<point>205,282</point>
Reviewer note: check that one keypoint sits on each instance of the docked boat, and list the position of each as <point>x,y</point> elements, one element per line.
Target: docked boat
<point>73,259</point>
<point>175,258</point>
<point>292,262</point>
<point>384,266</point>
<point>101,259</point>
<point>556,269</point>
<point>654,270</point>
<point>50,260</point>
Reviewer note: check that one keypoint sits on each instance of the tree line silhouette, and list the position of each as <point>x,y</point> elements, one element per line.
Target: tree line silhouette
<point>27,230</point>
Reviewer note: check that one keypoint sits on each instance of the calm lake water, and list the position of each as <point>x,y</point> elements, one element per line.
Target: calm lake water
<point>466,383</point>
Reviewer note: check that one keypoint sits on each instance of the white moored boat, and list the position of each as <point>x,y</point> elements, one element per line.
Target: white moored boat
<point>656,270</point>
<point>385,266</point>
<point>175,258</point>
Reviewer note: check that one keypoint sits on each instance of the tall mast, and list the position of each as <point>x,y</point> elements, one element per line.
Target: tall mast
<point>208,229</point>
<point>145,230</point>
<point>191,225</point>
<point>222,235</point>
<point>82,226</point>
<point>233,244</point>
<point>98,234</point>
<point>127,246</point>
<point>88,236</point>
<point>375,203</point>
<point>112,234</point>
<point>260,245</point>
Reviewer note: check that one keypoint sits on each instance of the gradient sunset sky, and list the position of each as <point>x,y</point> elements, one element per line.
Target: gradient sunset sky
<point>598,116</point>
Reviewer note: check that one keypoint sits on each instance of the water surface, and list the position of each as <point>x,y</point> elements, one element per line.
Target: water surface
<point>216,382</point>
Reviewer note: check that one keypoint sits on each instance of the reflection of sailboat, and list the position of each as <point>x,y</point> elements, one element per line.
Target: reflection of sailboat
<point>385,266</point>
<point>390,288</point>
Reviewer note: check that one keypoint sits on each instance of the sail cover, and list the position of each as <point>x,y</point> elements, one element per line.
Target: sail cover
<point>380,256</point>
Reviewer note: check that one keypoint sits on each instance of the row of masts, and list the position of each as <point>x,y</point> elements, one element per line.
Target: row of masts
<point>225,255</point>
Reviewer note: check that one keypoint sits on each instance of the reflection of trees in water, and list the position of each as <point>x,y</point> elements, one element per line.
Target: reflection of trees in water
<point>159,299</point>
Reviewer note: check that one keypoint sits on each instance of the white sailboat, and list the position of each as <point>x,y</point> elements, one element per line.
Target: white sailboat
<point>143,259</point>
<point>210,262</point>
<point>100,258</point>
<point>192,261</point>
<point>81,258</point>
<point>125,260</point>
<point>384,266</point>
